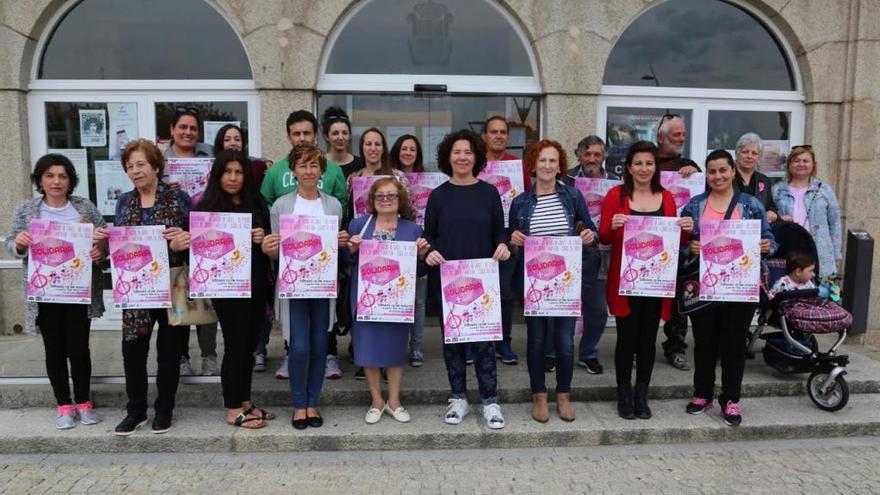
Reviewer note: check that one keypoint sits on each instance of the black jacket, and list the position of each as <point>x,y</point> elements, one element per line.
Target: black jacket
<point>759,186</point>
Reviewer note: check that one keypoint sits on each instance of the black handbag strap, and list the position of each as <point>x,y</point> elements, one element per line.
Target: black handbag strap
<point>733,201</point>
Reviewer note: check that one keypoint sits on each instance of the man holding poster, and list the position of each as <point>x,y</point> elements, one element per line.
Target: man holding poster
<point>552,223</point>
<point>385,247</point>
<point>729,264</point>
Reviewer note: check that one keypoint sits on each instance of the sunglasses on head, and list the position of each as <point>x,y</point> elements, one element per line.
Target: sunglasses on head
<point>186,111</point>
<point>805,146</point>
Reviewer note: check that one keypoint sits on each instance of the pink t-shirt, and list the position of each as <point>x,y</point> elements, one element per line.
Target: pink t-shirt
<point>800,210</point>
<point>712,214</point>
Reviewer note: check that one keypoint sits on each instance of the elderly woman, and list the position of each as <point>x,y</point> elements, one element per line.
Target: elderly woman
<point>151,202</point>
<point>464,220</point>
<point>720,330</point>
<point>64,327</point>
<point>749,150</point>
<point>550,208</point>
<point>305,321</point>
<point>376,344</point>
<point>811,203</point>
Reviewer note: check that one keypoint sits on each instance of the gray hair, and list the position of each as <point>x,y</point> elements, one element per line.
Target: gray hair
<point>749,139</point>
<point>664,126</point>
<point>588,141</point>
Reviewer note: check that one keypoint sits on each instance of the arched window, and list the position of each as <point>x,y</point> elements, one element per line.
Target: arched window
<point>718,65</point>
<point>450,63</point>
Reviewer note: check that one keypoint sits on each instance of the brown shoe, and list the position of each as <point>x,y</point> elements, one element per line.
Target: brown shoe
<point>539,408</point>
<point>564,407</point>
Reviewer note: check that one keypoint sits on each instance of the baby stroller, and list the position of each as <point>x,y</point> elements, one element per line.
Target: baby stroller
<point>801,315</point>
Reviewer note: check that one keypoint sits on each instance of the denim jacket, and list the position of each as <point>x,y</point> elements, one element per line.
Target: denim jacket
<point>523,207</point>
<point>750,208</point>
<point>823,215</point>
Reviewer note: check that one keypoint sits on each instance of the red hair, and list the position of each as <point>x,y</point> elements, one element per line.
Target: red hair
<point>530,160</point>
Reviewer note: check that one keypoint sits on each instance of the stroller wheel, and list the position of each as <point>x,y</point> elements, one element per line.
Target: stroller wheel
<point>835,396</point>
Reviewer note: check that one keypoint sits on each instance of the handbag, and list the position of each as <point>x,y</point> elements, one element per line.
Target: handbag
<point>687,294</point>
<point>185,311</point>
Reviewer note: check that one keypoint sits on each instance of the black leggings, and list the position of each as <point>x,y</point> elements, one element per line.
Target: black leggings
<point>65,330</point>
<point>241,321</point>
<point>720,334</point>
<point>170,343</point>
<point>637,336</point>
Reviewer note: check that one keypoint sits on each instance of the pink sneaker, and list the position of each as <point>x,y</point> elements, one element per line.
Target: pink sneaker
<point>731,414</point>
<point>86,415</point>
<point>66,417</point>
<point>698,405</point>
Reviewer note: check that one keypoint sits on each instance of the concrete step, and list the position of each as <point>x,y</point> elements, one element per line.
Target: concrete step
<point>203,430</point>
<point>429,385</point>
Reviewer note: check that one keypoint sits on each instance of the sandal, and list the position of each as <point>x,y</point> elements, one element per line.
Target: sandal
<point>264,414</point>
<point>243,418</point>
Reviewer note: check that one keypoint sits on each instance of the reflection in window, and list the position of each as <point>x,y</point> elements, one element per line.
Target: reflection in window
<point>214,114</point>
<point>450,37</point>
<point>726,127</point>
<point>625,126</point>
<point>144,39</point>
<point>699,44</point>
<point>431,117</point>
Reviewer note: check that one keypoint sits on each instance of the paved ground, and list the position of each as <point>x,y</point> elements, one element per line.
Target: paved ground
<point>848,465</point>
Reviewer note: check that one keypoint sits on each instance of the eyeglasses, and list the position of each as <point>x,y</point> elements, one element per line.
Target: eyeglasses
<point>187,111</point>
<point>383,197</point>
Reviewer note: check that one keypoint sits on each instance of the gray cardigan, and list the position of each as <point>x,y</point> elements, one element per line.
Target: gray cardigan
<point>285,205</point>
<point>30,210</point>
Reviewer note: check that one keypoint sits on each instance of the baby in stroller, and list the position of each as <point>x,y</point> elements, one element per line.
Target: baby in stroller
<point>792,304</point>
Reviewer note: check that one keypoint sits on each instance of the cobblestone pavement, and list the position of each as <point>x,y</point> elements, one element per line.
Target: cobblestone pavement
<point>827,466</point>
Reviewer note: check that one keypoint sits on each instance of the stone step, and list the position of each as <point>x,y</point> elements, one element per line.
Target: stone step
<point>203,430</point>
<point>429,385</point>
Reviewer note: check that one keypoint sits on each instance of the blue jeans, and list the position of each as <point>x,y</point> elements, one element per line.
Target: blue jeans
<point>415,337</point>
<point>507,271</point>
<point>594,309</point>
<point>309,320</point>
<point>559,331</point>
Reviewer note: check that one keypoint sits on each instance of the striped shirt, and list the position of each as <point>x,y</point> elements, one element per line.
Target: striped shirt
<point>549,217</point>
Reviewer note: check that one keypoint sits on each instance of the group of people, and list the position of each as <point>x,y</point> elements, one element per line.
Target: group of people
<point>464,219</point>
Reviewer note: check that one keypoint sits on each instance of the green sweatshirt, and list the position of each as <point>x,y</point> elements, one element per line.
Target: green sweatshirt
<point>279,181</point>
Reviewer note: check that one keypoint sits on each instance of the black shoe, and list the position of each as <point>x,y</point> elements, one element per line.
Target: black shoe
<point>129,424</point>
<point>640,401</point>
<point>592,366</point>
<point>315,421</point>
<point>161,423</point>
<point>549,365</point>
<point>625,408</point>
<point>300,424</point>
<point>359,374</point>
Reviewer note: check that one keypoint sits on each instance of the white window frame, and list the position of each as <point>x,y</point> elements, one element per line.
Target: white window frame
<point>404,83</point>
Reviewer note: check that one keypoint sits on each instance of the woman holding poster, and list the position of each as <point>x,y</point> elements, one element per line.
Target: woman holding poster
<point>64,327</point>
<point>383,344</point>
<point>305,321</point>
<point>151,202</point>
<point>231,189</point>
<point>553,209</point>
<point>720,329</point>
<point>637,317</point>
<point>464,220</point>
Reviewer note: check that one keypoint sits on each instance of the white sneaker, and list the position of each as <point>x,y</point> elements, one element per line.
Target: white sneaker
<point>259,362</point>
<point>185,368</point>
<point>373,416</point>
<point>331,370</point>
<point>281,374</point>
<point>456,411</point>
<point>400,414</point>
<point>209,366</point>
<point>492,414</point>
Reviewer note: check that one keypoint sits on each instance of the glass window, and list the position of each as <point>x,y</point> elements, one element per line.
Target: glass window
<point>450,37</point>
<point>214,114</point>
<point>699,44</point>
<point>726,127</point>
<point>430,117</point>
<point>625,126</point>
<point>144,39</point>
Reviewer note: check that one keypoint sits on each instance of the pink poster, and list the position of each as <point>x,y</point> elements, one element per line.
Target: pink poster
<point>730,260</point>
<point>594,191</point>
<point>420,186</point>
<point>59,266</point>
<point>552,276</point>
<point>308,257</point>
<point>220,255</point>
<point>360,188</point>
<point>506,176</point>
<point>683,188</point>
<point>649,262</point>
<point>139,267</point>
<point>191,174</point>
<point>386,288</point>
<point>471,296</point>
